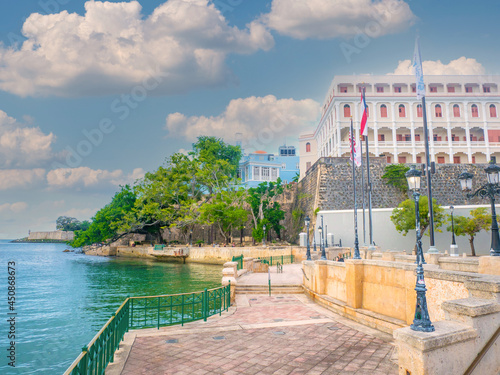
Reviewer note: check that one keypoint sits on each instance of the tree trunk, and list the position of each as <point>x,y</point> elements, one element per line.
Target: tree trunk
<point>472,249</point>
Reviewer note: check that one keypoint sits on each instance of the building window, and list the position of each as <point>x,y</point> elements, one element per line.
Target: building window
<point>456,111</point>
<point>419,159</point>
<point>433,89</point>
<point>308,147</point>
<point>417,137</point>
<point>265,173</point>
<point>473,159</point>
<point>456,160</point>
<point>283,165</point>
<point>402,110</point>
<point>347,111</point>
<point>486,89</point>
<point>383,110</point>
<point>397,89</point>
<point>380,89</point>
<point>388,159</point>
<point>413,89</point>
<point>381,137</point>
<point>438,110</point>
<point>399,137</point>
<point>401,159</point>
<point>468,89</point>
<point>343,89</point>
<point>308,165</point>
<point>493,111</point>
<point>256,173</point>
<point>297,166</point>
<point>451,89</point>
<point>419,110</point>
<point>274,174</point>
<point>475,112</point>
<point>440,159</point>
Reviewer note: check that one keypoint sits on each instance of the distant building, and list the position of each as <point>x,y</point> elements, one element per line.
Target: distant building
<point>462,116</point>
<point>261,166</point>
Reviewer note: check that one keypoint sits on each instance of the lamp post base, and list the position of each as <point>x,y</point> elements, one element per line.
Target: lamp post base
<point>454,250</point>
<point>433,250</point>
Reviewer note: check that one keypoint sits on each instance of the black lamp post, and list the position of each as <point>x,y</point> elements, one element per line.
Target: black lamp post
<point>321,243</point>
<point>421,322</point>
<point>453,246</point>
<point>326,235</point>
<point>241,235</point>
<point>490,189</point>
<point>264,238</point>
<point>308,252</point>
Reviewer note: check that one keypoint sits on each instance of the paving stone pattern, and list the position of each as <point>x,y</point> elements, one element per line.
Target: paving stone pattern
<point>294,344</point>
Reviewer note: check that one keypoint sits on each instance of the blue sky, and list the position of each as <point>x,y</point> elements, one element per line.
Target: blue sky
<point>144,79</point>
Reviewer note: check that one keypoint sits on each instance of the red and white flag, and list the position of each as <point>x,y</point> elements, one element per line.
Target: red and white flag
<point>354,146</point>
<point>364,116</point>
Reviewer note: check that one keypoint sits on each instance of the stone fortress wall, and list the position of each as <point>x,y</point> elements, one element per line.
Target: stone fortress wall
<point>57,235</point>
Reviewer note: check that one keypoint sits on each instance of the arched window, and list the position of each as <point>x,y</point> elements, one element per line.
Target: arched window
<point>493,111</point>
<point>383,110</point>
<point>308,147</point>
<point>438,110</point>
<point>402,110</point>
<point>419,110</point>
<point>475,112</point>
<point>347,111</point>
<point>456,111</point>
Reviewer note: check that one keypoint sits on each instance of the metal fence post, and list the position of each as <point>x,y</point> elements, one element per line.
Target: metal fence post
<point>85,360</point>
<point>204,306</point>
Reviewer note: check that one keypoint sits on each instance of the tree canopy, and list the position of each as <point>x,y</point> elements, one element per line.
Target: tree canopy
<point>403,216</point>
<point>394,174</point>
<point>67,223</point>
<point>480,219</point>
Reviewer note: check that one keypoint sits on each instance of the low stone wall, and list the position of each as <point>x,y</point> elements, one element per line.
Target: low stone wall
<point>97,250</point>
<point>221,255</point>
<point>384,287</point>
<point>134,251</point>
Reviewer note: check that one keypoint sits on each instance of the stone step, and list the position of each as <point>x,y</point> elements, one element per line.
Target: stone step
<point>455,310</point>
<point>264,289</point>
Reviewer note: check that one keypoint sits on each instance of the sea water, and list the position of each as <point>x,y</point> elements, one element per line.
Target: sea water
<point>63,299</point>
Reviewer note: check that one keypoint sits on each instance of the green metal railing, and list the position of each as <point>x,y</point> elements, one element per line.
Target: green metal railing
<point>272,260</point>
<point>238,259</point>
<point>147,312</point>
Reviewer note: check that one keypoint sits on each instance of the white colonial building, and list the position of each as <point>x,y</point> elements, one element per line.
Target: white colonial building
<point>462,117</point>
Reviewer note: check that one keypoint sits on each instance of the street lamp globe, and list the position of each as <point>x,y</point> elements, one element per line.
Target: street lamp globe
<point>413,177</point>
<point>492,171</point>
<point>307,221</point>
<point>320,230</point>
<point>465,179</point>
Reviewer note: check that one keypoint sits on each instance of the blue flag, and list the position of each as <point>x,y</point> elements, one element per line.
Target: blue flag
<point>417,64</point>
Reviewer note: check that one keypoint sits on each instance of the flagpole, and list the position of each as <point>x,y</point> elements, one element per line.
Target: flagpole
<point>420,89</point>
<point>363,189</point>
<point>356,242</point>
<point>369,185</point>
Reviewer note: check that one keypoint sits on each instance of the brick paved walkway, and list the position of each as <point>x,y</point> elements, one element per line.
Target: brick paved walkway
<point>263,335</point>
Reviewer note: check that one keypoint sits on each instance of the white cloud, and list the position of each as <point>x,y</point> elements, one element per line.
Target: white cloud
<point>460,66</point>
<point>113,47</point>
<point>262,121</point>
<point>21,178</point>
<point>85,177</point>
<point>13,207</point>
<point>323,19</point>
<point>22,146</point>
<point>80,213</point>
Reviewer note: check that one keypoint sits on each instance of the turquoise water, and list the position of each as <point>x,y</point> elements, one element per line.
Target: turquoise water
<point>63,299</point>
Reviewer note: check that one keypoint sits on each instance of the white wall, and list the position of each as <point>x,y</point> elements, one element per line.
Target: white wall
<point>341,224</point>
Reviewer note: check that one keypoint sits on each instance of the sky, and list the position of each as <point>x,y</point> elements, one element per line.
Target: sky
<point>94,94</point>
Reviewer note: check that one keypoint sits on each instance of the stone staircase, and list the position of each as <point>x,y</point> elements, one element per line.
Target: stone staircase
<point>264,289</point>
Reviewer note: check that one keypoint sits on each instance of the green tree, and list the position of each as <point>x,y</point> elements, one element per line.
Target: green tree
<point>264,210</point>
<point>480,219</point>
<point>225,211</point>
<point>403,216</point>
<point>67,223</point>
<point>105,223</point>
<point>394,174</point>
